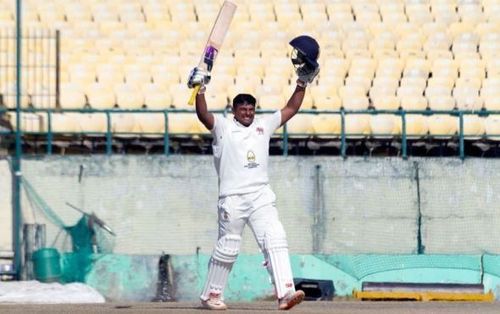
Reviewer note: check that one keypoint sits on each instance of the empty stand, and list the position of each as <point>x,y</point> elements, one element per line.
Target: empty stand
<point>383,55</point>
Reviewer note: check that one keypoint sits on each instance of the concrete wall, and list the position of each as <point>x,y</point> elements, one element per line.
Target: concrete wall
<point>328,205</point>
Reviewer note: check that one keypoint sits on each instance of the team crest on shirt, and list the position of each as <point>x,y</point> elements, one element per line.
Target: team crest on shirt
<point>251,160</point>
<point>260,130</point>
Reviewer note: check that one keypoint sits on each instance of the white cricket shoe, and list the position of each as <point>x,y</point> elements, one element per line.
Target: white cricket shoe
<point>291,299</point>
<point>214,303</point>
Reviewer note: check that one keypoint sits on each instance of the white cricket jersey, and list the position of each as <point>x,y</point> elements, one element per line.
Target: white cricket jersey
<point>241,153</point>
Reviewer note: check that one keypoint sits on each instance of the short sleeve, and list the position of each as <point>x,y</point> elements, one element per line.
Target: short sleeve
<point>219,128</point>
<point>273,121</point>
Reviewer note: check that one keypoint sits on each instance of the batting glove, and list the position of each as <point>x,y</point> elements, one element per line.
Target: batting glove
<point>198,76</point>
<point>306,74</point>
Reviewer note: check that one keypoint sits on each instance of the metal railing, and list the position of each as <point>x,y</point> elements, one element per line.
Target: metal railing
<point>343,136</point>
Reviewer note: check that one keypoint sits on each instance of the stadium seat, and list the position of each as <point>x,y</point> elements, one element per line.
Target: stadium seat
<point>71,96</point>
<point>150,124</point>
<point>416,126</point>
<point>326,125</point>
<point>128,96</point>
<point>216,101</point>
<point>384,125</point>
<point>354,102</point>
<point>123,123</point>
<point>441,102</point>
<point>300,125</point>
<point>357,125</point>
<point>156,96</point>
<point>182,124</point>
<point>385,102</point>
<point>271,101</point>
<point>444,12</point>
<point>413,102</point>
<point>100,96</point>
<point>64,123</point>
<point>93,123</point>
<point>492,127</point>
<point>442,126</point>
<point>30,122</point>
<point>473,127</point>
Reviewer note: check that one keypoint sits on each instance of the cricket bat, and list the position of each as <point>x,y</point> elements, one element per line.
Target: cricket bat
<point>219,30</point>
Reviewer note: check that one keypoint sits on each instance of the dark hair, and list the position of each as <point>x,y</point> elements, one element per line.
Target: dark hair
<point>241,99</point>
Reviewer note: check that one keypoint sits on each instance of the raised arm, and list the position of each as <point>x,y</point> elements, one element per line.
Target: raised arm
<point>293,104</point>
<point>201,77</point>
<point>205,117</point>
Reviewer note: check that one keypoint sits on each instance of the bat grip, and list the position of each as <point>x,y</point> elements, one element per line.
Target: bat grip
<point>193,94</point>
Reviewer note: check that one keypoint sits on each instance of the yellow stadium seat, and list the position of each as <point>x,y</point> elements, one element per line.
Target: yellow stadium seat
<point>100,96</point>
<point>300,125</point>
<point>128,96</point>
<point>470,12</point>
<point>379,90</point>
<point>438,41</point>
<point>418,82</point>
<point>30,122</point>
<point>64,123</point>
<point>137,76</point>
<point>150,124</point>
<point>156,96</point>
<point>384,125</point>
<point>442,126</point>
<point>473,127</point>
<point>418,13</point>
<point>271,102</point>
<point>441,82</point>
<point>413,102</point>
<point>416,67</point>
<point>109,74</point>
<point>437,90</point>
<point>441,102</point>
<point>71,96</point>
<point>354,102</point>
<point>93,123</point>
<point>389,67</point>
<point>182,123</point>
<point>180,94</point>
<point>416,126</point>
<point>244,84</point>
<point>326,125</point>
<point>492,127</point>
<point>325,97</point>
<point>327,101</point>
<point>351,90</point>
<point>490,87</point>
<point>123,123</point>
<point>216,101</point>
<point>444,13</point>
<point>385,102</point>
<point>357,125</point>
<point>405,91</point>
<point>9,96</point>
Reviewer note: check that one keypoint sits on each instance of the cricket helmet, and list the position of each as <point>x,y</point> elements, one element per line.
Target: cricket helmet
<point>306,51</point>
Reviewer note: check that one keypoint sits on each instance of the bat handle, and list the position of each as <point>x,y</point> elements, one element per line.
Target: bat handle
<point>193,94</point>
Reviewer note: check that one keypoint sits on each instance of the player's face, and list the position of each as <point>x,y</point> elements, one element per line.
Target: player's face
<point>244,113</point>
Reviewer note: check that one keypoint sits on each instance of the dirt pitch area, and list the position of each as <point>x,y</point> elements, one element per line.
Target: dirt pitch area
<point>319,307</point>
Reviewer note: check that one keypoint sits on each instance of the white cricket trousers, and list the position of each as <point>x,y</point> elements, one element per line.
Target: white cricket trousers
<point>258,210</point>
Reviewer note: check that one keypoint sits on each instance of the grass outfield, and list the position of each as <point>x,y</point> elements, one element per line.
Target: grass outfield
<point>347,307</point>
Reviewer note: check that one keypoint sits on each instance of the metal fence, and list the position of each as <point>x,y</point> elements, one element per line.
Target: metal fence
<point>285,137</point>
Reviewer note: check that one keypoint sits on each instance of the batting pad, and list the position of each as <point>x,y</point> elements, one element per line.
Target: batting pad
<point>279,265</point>
<point>220,265</point>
